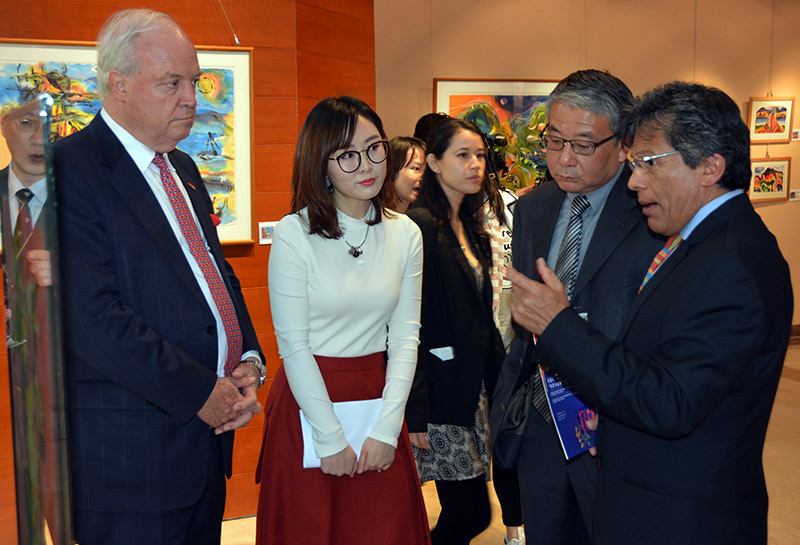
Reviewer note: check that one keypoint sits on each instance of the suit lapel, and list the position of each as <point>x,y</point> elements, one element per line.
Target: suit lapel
<point>540,227</point>
<point>454,247</point>
<point>7,228</point>
<point>620,214</point>
<point>198,201</point>
<point>134,191</point>
<point>734,207</point>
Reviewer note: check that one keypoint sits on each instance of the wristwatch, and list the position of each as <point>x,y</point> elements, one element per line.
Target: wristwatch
<point>262,370</point>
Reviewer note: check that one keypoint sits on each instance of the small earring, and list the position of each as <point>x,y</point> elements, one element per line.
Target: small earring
<point>329,184</point>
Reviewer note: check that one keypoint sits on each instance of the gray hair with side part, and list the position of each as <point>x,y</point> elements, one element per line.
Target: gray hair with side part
<point>595,91</point>
<point>117,41</point>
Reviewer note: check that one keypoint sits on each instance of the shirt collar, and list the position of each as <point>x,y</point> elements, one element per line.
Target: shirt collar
<point>706,211</point>
<point>142,155</point>
<point>597,198</point>
<point>38,188</point>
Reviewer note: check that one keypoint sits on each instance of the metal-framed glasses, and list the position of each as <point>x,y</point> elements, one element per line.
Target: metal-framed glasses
<point>580,147</point>
<point>28,125</point>
<point>647,161</point>
<point>350,160</point>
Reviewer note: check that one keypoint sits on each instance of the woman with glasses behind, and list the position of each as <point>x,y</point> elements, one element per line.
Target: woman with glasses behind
<point>344,284</point>
<point>460,349</point>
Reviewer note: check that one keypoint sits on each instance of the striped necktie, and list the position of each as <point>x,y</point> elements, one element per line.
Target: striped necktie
<point>567,263</point>
<point>566,270</point>
<point>198,249</point>
<point>672,243</point>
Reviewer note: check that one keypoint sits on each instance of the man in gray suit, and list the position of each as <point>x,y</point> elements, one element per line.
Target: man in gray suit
<point>612,250</point>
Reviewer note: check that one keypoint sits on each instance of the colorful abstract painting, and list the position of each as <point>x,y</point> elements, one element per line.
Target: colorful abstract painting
<point>770,179</point>
<point>770,120</point>
<point>220,139</point>
<point>512,116</point>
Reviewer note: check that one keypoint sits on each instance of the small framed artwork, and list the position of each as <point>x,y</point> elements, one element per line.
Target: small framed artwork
<point>511,113</point>
<point>770,179</point>
<point>265,231</point>
<point>770,120</point>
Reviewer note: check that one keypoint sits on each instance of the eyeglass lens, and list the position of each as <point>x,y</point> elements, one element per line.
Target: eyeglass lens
<point>350,160</point>
<point>581,147</point>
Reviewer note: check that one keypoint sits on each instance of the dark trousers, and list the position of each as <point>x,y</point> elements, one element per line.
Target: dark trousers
<point>465,511</point>
<point>557,495</point>
<point>506,486</point>
<point>199,524</point>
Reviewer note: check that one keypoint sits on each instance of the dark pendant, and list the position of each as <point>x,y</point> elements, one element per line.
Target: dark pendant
<point>355,252</point>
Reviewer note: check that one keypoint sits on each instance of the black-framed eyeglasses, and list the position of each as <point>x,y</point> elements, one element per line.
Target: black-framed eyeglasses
<point>350,160</point>
<point>647,161</point>
<point>580,147</point>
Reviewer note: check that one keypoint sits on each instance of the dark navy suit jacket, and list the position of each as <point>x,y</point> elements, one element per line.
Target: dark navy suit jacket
<point>686,391</point>
<point>616,260</point>
<point>140,338</point>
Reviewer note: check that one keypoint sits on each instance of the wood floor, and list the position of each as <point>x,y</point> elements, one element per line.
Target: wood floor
<point>780,466</point>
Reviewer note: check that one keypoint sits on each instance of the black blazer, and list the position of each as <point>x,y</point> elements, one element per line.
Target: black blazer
<point>685,392</point>
<point>140,338</point>
<point>616,260</point>
<point>454,314</point>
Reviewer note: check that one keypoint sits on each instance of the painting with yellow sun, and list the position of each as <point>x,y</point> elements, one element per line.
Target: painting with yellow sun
<point>219,142</point>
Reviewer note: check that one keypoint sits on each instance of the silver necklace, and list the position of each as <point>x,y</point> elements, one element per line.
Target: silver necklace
<point>356,251</point>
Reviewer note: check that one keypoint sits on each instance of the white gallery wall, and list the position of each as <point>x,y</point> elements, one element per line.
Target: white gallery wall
<point>748,48</point>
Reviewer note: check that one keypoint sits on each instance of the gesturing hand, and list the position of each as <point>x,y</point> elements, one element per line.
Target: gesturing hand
<point>535,304</point>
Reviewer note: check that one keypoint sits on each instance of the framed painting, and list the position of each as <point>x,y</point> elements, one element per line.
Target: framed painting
<point>220,139</point>
<point>770,120</point>
<point>769,180</point>
<point>511,113</point>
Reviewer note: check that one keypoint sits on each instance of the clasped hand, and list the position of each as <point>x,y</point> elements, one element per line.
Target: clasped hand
<point>375,455</point>
<point>232,402</point>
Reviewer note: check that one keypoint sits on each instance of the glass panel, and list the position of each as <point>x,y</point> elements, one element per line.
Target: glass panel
<point>33,328</point>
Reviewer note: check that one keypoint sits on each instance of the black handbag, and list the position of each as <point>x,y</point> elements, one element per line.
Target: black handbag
<point>511,430</point>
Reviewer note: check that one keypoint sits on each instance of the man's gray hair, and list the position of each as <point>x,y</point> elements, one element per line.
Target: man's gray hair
<point>595,91</point>
<point>117,40</point>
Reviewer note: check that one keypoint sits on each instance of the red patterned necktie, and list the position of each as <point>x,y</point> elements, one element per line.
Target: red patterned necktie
<point>671,244</point>
<point>23,229</point>
<point>198,248</point>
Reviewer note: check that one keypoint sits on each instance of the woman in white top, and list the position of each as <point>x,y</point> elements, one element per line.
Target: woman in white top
<point>344,284</point>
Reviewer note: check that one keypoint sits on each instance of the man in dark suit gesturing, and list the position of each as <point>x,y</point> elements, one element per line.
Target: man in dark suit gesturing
<point>161,356</point>
<point>685,392</point>
<point>586,157</point>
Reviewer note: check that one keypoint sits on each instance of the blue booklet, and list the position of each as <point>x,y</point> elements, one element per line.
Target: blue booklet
<point>570,415</point>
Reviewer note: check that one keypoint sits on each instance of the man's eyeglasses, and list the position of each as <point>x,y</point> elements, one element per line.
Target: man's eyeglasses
<point>28,125</point>
<point>648,161</point>
<point>580,147</point>
<point>350,160</point>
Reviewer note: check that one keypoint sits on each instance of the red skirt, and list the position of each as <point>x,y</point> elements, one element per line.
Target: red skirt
<point>297,505</point>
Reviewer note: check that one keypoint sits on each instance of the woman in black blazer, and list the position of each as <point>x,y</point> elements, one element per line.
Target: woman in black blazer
<point>460,349</point>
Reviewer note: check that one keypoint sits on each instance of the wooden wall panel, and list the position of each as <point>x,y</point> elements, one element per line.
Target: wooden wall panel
<point>303,52</point>
<point>360,9</point>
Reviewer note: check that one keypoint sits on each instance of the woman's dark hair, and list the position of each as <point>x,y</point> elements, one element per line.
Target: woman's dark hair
<point>431,195</point>
<point>400,146</point>
<point>425,124</point>
<point>329,127</point>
